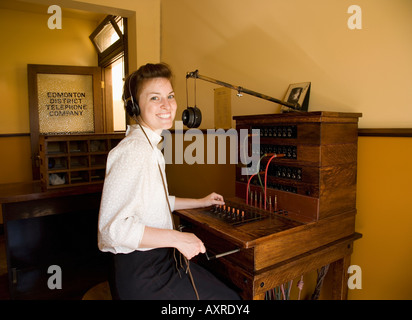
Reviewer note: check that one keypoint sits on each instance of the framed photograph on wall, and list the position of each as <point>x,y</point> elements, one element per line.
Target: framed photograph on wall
<point>298,93</point>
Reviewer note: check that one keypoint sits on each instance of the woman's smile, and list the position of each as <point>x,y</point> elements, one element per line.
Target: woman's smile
<point>164,115</point>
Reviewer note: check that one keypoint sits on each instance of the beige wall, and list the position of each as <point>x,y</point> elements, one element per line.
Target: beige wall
<point>265,45</point>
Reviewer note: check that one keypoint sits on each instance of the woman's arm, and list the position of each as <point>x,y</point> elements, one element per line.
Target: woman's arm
<point>187,203</point>
<point>187,243</point>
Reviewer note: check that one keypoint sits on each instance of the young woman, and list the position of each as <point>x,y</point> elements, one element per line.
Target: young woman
<point>135,222</point>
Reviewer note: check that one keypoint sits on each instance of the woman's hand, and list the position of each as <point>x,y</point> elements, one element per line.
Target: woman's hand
<point>189,245</point>
<point>212,199</point>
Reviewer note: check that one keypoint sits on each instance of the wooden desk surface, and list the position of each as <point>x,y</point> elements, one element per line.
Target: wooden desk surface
<point>245,235</point>
<point>26,191</point>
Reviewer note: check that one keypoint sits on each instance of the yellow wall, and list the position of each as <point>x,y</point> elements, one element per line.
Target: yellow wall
<point>15,164</point>
<point>28,40</point>
<point>144,25</point>
<point>266,45</point>
<point>384,203</point>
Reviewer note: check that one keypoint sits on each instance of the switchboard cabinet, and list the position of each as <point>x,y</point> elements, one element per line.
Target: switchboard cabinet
<point>318,162</point>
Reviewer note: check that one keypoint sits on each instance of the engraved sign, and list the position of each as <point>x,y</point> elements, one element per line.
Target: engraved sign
<point>65,103</point>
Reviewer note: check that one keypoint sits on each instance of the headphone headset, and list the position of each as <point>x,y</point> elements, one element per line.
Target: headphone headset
<point>131,106</point>
<point>192,117</point>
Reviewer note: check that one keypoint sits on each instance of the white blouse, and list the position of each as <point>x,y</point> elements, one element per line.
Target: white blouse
<point>133,194</point>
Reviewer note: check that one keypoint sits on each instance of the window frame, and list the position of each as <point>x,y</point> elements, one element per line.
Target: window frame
<point>115,50</point>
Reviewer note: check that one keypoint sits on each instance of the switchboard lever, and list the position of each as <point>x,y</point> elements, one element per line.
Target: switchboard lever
<point>278,155</point>
<point>221,254</point>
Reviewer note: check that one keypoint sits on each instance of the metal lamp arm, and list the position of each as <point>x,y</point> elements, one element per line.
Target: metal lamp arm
<point>240,90</point>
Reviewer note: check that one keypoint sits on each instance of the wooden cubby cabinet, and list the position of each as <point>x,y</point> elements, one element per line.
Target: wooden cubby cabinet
<point>73,160</point>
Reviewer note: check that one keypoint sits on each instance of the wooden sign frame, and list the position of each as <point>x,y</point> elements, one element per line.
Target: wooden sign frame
<point>33,71</point>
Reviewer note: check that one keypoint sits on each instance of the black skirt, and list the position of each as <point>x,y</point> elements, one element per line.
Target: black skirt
<point>154,275</point>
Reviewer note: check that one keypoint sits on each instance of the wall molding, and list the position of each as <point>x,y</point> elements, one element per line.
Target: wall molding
<point>362,132</point>
<point>386,132</point>
<point>11,135</point>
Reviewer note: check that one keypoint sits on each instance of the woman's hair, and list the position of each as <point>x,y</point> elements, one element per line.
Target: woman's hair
<point>133,84</point>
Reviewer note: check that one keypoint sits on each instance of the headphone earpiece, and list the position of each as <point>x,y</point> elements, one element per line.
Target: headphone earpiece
<point>192,117</point>
<point>131,106</point>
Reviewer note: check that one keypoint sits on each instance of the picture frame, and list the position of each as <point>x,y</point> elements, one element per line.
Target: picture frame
<point>297,93</point>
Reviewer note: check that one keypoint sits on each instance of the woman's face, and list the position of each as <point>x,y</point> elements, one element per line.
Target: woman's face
<point>157,104</point>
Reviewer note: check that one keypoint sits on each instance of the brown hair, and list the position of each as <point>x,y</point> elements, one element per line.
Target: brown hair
<point>133,84</point>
